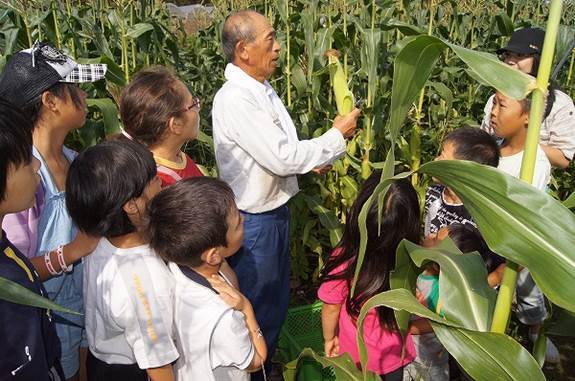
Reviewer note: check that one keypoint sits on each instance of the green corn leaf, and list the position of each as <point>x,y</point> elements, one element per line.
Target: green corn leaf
<point>139,29</point>
<point>570,201</point>
<point>109,113</point>
<point>486,356</point>
<point>343,366</point>
<point>327,218</point>
<point>15,293</point>
<point>466,298</point>
<point>518,222</point>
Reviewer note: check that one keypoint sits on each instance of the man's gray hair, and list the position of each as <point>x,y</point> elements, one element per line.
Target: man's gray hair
<point>237,27</point>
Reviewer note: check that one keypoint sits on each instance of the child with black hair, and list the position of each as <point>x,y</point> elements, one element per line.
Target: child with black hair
<point>195,224</point>
<point>388,353</point>
<point>43,82</point>
<point>442,206</point>
<point>432,361</point>
<point>30,348</point>
<point>523,52</point>
<point>128,290</point>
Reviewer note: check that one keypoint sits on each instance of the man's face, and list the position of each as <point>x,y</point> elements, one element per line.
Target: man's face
<point>263,51</point>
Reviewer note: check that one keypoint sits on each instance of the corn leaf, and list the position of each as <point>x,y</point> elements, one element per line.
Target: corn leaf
<point>15,293</point>
<point>485,356</point>
<point>518,222</point>
<point>343,366</point>
<point>466,298</point>
<point>109,113</point>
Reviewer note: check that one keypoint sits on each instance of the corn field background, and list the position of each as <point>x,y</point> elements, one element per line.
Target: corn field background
<point>129,35</point>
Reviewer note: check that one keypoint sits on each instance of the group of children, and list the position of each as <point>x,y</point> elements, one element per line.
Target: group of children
<point>420,355</point>
<point>156,301</point>
<point>146,266</point>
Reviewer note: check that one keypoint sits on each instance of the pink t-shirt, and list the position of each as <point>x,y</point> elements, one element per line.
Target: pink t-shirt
<point>383,347</point>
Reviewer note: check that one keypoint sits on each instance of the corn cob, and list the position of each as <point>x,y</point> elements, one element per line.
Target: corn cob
<point>343,97</point>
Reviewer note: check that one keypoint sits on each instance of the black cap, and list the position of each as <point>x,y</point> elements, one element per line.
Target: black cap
<point>525,41</point>
<point>32,71</point>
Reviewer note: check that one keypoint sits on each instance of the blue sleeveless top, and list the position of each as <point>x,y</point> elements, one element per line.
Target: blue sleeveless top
<point>55,228</point>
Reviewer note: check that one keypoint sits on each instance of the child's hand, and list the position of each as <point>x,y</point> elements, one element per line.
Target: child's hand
<point>331,347</point>
<point>229,294</point>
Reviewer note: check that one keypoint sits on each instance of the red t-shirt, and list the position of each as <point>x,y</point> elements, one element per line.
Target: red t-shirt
<point>170,171</point>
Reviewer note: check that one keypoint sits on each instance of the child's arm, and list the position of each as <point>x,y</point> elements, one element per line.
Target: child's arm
<point>329,323</point>
<point>494,278</point>
<point>555,156</point>
<point>81,246</point>
<point>419,327</point>
<point>240,303</point>
<point>163,373</point>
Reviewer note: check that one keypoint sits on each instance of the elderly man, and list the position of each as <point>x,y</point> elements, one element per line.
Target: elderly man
<point>259,155</point>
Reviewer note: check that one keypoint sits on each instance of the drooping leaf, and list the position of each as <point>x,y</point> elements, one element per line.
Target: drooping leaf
<point>139,29</point>
<point>518,222</point>
<point>497,74</point>
<point>466,298</point>
<point>327,218</point>
<point>343,366</point>
<point>485,356</point>
<point>15,293</point>
<point>488,356</point>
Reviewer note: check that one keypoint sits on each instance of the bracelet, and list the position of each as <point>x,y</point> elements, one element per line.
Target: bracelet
<point>49,266</point>
<point>61,261</point>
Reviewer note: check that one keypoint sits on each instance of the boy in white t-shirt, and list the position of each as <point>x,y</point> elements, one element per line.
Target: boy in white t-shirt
<point>128,290</point>
<point>509,119</point>
<point>195,224</point>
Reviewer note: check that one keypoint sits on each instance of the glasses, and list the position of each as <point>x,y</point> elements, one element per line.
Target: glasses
<point>196,103</point>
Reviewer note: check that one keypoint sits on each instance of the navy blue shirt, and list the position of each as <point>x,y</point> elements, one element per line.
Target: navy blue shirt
<point>30,346</point>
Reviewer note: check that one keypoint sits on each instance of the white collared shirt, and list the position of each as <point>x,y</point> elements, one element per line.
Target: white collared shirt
<point>257,149</point>
<point>128,299</point>
<point>212,338</point>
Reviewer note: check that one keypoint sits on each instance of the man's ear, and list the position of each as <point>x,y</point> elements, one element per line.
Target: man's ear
<point>242,51</point>
<point>212,256</point>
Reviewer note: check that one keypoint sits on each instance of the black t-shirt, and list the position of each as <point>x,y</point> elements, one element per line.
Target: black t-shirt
<point>30,346</point>
<point>439,213</point>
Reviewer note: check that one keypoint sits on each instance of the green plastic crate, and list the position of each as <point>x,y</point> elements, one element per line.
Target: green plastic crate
<point>302,329</point>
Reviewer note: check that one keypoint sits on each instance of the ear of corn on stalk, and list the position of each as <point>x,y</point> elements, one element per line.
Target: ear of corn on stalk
<point>343,97</point>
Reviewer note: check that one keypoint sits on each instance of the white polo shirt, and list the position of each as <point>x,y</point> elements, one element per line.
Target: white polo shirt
<point>212,338</point>
<point>128,304</point>
<point>541,174</point>
<point>557,130</point>
<point>257,149</point>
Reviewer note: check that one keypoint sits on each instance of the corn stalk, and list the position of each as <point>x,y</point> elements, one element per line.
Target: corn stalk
<point>507,289</point>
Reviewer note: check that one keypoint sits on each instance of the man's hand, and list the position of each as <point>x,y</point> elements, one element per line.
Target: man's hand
<point>346,124</point>
<point>322,170</point>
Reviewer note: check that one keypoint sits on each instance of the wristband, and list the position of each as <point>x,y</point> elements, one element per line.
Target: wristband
<point>61,261</point>
<point>49,266</point>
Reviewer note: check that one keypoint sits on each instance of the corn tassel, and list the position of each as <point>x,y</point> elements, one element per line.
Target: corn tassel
<point>343,97</point>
